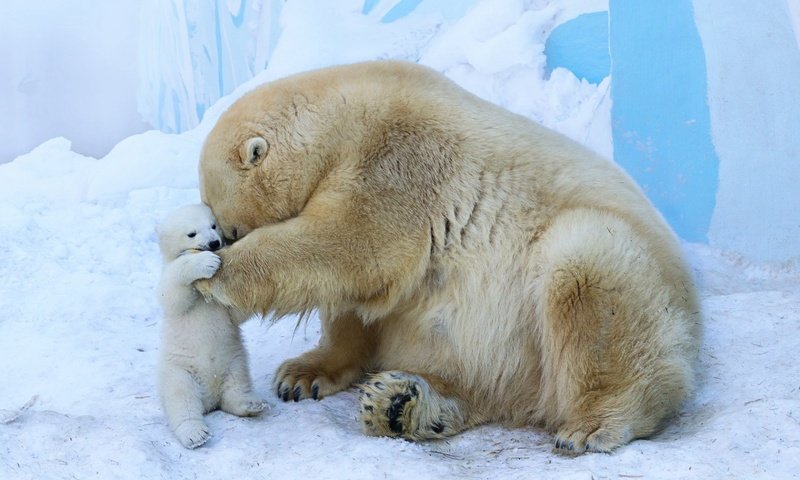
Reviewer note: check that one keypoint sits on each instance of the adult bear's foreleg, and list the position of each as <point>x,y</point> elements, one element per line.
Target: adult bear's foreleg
<point>340,359</point>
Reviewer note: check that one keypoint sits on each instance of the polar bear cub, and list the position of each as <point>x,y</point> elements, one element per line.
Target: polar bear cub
<point>203,364</point>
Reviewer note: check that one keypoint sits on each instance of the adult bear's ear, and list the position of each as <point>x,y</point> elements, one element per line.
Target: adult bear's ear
<point>253,152</point>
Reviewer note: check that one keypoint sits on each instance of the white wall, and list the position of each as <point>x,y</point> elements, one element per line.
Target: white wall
<point>794,16</point>
<point>69,68</point>
<point>753,68</point>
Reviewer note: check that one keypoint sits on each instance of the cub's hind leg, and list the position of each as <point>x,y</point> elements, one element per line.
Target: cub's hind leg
<point>238,397</point>
<point>340,360</point>
<point>412,406</point>
<point>616,334</point>
<point>183,405</point>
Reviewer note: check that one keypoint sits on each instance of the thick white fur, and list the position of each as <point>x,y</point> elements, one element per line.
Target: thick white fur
<point>489,269</point>
<point>203,364</point>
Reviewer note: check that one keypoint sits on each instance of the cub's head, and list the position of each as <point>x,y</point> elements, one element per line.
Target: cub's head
<point>189,228</point>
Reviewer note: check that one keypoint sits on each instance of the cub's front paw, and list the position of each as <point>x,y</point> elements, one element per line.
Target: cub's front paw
<point>205,264</point>
<point>246,407</point>
<point>193,433</point>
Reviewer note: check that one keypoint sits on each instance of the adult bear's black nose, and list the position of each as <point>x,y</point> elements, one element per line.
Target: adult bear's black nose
<point>214,245</point>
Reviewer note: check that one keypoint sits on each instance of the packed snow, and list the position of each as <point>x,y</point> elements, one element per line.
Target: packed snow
<point>79,332</point>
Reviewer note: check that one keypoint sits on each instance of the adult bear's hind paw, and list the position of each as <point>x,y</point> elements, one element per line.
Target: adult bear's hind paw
<point>399,404</point>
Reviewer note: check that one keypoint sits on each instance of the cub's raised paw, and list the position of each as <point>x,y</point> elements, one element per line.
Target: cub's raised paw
<point>399,404</point>
<point>204,264</point>
<point>193,433</point>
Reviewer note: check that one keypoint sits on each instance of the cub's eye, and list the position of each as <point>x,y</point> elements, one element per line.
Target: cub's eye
<point>191,235</point>
<point>213,227</point>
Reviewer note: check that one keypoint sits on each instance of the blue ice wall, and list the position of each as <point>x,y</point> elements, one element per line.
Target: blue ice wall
<point>581,45</point>
<point>659,118</point>
<point>448,9</point>
<point>192,53</point>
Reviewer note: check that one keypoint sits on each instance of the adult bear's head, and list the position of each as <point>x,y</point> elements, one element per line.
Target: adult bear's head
<point>267,155</point>
<point>303,144</point>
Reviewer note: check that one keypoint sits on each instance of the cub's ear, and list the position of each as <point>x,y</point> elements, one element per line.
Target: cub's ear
<point>253,152</point>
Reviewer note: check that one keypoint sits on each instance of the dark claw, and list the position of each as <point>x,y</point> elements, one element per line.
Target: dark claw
<point>437,427</point>
<point>296,394</point>
<point>562,444</point>
<point>368,408</point>
<point>378,385</point>
<point>315,392</point>
<point>284,394</point>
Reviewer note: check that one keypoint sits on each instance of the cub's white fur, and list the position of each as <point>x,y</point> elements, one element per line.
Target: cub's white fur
<point>203,364</point>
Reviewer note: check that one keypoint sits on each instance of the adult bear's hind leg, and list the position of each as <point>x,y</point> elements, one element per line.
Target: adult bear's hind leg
<point>340,360</point>
<point>412,406</point>
<point>616,334</point>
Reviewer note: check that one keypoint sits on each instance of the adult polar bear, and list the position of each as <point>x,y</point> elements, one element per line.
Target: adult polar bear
<point>489,269</point>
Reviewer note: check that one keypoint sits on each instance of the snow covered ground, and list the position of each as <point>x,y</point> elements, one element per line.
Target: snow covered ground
<point>79,337</point>
<point>80,323</point>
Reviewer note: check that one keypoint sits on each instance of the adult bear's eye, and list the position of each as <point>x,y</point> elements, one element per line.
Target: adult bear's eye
<point>191,235</point>
<point>214,227</point>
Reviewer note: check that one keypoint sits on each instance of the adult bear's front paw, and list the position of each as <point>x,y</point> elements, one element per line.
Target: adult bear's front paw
<point>211,289</point>
<point>204,287</point>
<point>313,375</point>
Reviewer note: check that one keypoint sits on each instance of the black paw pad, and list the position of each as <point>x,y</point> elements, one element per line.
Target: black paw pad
<point>395,410</point>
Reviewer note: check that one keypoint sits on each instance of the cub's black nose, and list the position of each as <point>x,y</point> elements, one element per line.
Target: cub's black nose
<point>214,245</point>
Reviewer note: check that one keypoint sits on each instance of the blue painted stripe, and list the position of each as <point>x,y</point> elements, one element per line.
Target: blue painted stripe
<point>660,119</point>
<point>368,6</point>
<point>400,10</point>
